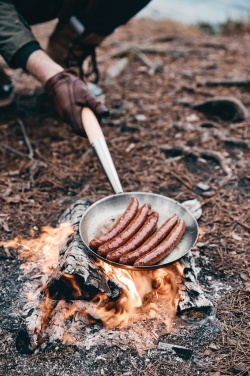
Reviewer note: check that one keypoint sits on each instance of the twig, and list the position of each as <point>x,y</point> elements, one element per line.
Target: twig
<point>152,68</point>
<point>231,140</point>
<point>217,133</point>
<point>180,180</point>
<point>242,224</point>
<point>26,139</point>
<point>14,151</point>
<point>232,82</point>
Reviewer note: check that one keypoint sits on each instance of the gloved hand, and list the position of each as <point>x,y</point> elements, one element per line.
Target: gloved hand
<point>70,95</point>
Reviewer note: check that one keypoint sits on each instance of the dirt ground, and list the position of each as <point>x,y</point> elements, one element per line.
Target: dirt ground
<point>146,131</point>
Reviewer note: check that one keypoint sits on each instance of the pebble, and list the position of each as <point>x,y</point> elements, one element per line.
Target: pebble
<point>140,117</point>
<point>203,186</point>
<point>192,118</point>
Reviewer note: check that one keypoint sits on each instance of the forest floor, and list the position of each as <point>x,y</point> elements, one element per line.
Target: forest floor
<point>160,144</point>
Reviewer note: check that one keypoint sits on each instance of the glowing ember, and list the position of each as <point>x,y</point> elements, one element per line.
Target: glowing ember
<point>201,233</point>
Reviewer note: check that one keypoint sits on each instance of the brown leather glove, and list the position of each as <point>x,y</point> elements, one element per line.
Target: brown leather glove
<point>70,95</point>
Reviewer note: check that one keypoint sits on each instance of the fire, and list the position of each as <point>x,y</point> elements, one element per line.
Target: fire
<point>201,234</point>
<point>45,247</point>
<point>144,293</point>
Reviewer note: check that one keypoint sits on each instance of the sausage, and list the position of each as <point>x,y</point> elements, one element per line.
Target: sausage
<point>164,248</point>
<point>126,234</point>
<point>144,232</point>
<point>151,243</point>
<point>119,226</point>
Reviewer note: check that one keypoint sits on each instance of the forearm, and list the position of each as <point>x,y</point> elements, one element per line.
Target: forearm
<point>16,38</point>
<point>40,65</point>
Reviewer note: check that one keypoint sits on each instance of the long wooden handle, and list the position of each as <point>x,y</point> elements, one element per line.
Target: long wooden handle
<point>91,125</point>
<point>97,140</point>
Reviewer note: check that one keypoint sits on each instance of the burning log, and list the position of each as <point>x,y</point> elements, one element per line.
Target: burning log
<point>74,261</point>
<point>193,306</point>
<point>76,277</point>
<point>81,289</point>
<point>192,298</point>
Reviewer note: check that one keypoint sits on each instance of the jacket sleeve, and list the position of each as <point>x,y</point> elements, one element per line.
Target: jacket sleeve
<point>16,39</point>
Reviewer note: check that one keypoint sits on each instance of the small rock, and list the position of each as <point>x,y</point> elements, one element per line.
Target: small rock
<point>99,357</point>
<point>203,186</point>
<point>209,65</point>
<point>192,118</point>
<point>236,236</point>
<point>129,148</point>
<point>181,351</point>
<point>208,193</point>
<point>187,73</point>
<point>140,117</point>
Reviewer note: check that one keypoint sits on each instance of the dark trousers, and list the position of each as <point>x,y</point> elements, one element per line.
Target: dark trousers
<point>102,17</point>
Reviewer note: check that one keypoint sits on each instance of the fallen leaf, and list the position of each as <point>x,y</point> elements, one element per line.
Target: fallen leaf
<point>212,346</point>
<point>13,199</point>
<point>4,225</point>
<point>236,236</point>
<point>207,352</point>
<point>232,342</point>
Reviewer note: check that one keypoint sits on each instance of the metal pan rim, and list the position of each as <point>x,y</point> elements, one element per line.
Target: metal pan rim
<point>131,267</point>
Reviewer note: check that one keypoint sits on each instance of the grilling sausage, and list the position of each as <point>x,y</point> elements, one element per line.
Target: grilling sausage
<point>126,234</point>
<point>136,240</point>
<point>119,226</point>
<point>164,248</point>
<point>151,243</point>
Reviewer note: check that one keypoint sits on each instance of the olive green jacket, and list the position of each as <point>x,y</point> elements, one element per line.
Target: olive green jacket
<point>16,39</point>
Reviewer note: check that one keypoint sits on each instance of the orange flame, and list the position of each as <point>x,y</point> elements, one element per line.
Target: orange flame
<point>145,290</point>
<point>144,295</point>
<point>45,247</point>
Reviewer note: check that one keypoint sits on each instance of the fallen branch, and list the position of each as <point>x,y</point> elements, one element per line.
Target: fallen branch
<point>215,132</point>
<point>130,52</point>
<point>199,153</point>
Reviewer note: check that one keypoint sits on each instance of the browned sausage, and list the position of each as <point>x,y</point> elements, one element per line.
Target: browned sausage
<point>164,248</point>
<point>144,232</point>
<point>119,226</point>
<point>129,231</point>
<point>151,243</point>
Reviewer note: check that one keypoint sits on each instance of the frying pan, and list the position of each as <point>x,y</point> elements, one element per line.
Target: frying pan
<point>109,209</point>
